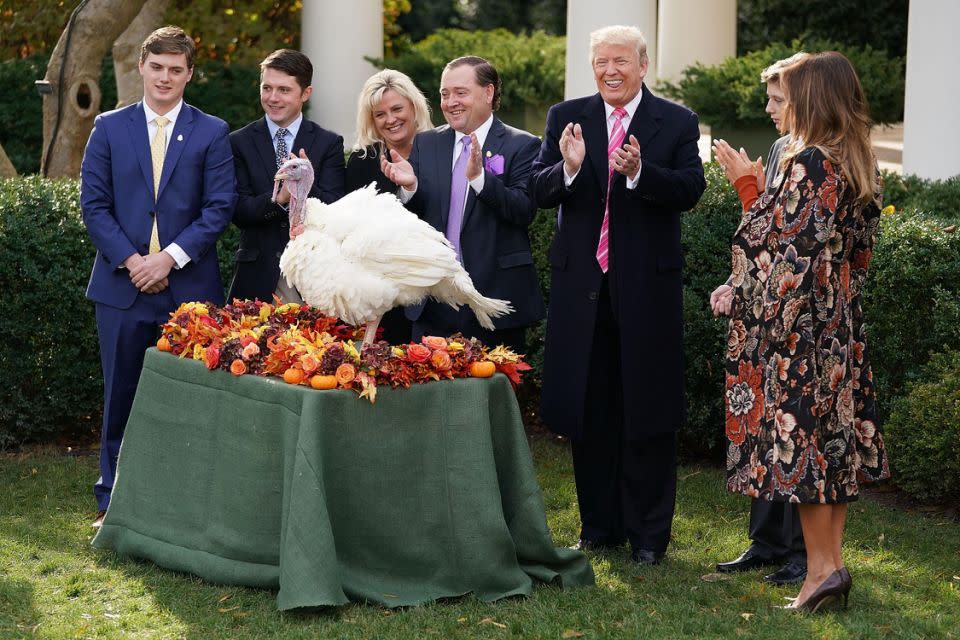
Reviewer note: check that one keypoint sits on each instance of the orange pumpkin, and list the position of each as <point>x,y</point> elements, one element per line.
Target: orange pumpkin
<point>293,376</point>
<point>163,344</point>
<point>323,382</point>
<point>482,369</point>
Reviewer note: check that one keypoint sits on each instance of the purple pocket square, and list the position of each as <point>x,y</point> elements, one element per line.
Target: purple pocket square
<point>494,164</point>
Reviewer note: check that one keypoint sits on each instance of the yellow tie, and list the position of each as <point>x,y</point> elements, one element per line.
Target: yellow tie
<point>158,149</point>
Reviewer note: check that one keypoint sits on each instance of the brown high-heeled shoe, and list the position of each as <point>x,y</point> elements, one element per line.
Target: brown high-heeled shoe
<point>830,590</point>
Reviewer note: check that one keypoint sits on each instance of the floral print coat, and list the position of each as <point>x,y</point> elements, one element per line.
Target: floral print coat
<point>800,404</point>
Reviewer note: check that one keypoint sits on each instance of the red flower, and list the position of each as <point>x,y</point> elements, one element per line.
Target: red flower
<point>744,403</point>
<point>211,357</point>
<point>418,353</point>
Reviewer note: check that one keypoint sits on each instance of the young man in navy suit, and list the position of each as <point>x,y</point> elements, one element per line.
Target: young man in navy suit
<point>469,180</point>
<point>621,165</point>
<point>285,86</point>
<point>157,190</point>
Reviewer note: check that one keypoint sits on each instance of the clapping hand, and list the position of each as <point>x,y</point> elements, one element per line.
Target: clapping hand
<point>572,148</point>
<point>736,165</point>
<point>721,300</point>
<point>474,164</point>
<point>626,159</point>
<point>399,172</point>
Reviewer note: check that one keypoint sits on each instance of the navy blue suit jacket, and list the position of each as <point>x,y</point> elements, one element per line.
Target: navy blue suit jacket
<point>265,224</point>
<point>493,239</point>
<point>646,260</point>
<point>194,206</point>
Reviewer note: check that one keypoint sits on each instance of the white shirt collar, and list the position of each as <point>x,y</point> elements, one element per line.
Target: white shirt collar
<point>630,107</point>
<point>169,115</point>
<point>481,132</point>
<point>292,128</point>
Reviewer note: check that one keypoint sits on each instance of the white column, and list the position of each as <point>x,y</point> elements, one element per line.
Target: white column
<point>690,31</point>
<point>336,36</point>
<point>584,16</point>
<point>931,129</point>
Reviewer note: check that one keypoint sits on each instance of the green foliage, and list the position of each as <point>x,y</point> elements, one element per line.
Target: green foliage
<point>230,92</point>
<point>49,358</point>
<point>923,432</point>
<point>730,94</point>
<point>940,198</point>
<point>911,299</point>
<point>881,24</point>
<point>21,112</point>
<point>531,66</point>
<point>427,16</point>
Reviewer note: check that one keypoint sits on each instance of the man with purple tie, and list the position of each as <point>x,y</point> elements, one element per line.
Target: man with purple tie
<point>156,191</point>
<point>469,180</point>
<point>621,165</point>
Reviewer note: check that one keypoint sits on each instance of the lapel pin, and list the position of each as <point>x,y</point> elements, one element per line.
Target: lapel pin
<point>180,138</point>
<point>489,154</point>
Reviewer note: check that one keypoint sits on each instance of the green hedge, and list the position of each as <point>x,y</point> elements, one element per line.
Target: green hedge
<point>923,432</point>
<point>730,94</point>
<point>50,363</point>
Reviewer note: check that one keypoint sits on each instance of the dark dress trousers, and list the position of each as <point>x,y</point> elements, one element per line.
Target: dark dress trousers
<point>361,171</point>
<point>613,360</point>
<point>493,238</point>
<point>775,531</point>
<point>263,223</point>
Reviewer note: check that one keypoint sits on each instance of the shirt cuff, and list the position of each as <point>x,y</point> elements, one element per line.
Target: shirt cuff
<point>477,183</point>
<point>179,255</point>
<point>568,180</point>
<point>632,182</point>
<point>406,196</point>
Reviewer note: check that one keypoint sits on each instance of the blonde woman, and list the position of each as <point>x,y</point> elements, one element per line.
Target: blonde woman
<point>800,403</point>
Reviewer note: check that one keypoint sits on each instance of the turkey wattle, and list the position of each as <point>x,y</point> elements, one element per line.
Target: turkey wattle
<point>366,254</point>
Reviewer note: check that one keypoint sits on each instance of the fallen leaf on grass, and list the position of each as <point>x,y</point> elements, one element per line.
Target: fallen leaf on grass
<point>462,620</point>
<point>956,577</point>
<point>493,622</point>
<point>746,616</point>
<point>387,613</point>
<point>714,577</point>
<point>572,633</point>
<point>228,609</point>
<point>112,616</point>
<point>224,598</point>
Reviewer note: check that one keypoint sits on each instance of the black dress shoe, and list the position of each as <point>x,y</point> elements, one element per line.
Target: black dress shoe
<point>749,559</point>
<point>595,545</point>
<point>790,573</point>
<point>645,556</point>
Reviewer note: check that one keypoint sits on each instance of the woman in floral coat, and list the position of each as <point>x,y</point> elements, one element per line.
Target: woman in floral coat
<point>800,404</point>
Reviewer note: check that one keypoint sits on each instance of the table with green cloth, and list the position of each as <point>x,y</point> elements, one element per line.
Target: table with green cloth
<point>429,493</point>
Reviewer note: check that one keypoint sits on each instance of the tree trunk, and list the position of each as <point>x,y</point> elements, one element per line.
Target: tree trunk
<point>7,170</point>
<point>95,28</point>
<point>126,51</point>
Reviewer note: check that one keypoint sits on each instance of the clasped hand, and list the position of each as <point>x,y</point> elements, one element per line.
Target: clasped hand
<point>149,273</point>
<point>721,300</point>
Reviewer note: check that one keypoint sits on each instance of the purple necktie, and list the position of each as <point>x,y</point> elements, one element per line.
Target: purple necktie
<point>458,194</point>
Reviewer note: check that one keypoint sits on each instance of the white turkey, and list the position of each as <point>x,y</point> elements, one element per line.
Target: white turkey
<point>366,254</point>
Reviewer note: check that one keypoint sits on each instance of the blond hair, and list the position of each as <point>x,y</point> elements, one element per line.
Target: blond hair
<point>372,93</point>
<point>772,73</point>
<point>619,34</point>
<point>826,109</point>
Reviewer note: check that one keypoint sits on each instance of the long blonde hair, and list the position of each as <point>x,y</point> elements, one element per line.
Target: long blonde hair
<point>370,96</point>
<point>826,109</point>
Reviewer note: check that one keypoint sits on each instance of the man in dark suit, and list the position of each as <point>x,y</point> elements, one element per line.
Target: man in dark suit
<point>481,204</point>
<point>157,190</point>
<point>621,165</point>
<point>775,533</point>
<point>258,150</point>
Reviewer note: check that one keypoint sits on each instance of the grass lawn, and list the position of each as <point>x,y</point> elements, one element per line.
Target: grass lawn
<point>906,570</point>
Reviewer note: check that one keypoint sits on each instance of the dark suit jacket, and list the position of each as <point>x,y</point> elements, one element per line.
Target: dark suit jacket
<point>645,262</point>
<point>264,223</point>
<point>194,204</point>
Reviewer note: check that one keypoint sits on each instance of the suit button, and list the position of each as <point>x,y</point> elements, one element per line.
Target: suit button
<point>279,253</point>
<point>592,295</point>
<point>283,225</point>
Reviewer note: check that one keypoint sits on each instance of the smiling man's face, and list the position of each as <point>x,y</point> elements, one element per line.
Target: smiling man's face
<point>618,72</point>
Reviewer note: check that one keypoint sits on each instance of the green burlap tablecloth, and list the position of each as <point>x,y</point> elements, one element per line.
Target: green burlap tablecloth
<point>429,493</point>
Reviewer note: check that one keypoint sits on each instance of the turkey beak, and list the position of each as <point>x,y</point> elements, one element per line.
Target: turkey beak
<point>281,175</point>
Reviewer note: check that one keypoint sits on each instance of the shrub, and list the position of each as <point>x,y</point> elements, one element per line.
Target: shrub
<point>49,357</point>
<point>940,198</point>
<point>911,299</point>
<point>730,94</point>
<point>21,112</point>
<point>923,432</point>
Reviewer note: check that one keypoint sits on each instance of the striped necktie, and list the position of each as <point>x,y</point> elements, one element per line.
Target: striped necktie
<point>617,135</point>
<point>158,151</point>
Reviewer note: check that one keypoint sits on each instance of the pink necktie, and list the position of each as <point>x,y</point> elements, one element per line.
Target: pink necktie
<point>616,140</point>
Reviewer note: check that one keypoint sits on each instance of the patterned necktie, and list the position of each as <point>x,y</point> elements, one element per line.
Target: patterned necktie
<point>616,140</point>
<point>281,146</point>
<point>158,150</point>
<point>458,194</point>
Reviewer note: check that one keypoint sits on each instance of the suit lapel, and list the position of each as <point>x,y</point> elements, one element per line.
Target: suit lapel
<point>491,147</point>
<point>178,140</point>
<point>263,143</point>
<point>594,123</point>
<point>305,136</point>
<point>443,161</point>
<point>137,125</point>
<point>645,123</point>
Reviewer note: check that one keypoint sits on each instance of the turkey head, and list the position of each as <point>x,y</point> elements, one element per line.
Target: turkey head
<point>297,175</point>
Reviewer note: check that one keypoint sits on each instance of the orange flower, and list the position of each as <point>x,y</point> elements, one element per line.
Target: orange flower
<point>440,360</point>
<point>435,342</point>
<point>418,353</point>
<point>211,357</point>
<point>309,363</point>
<point>250,350</point>
<point>246,340</point>
<point>238,367</point>
<point>345,374</point>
